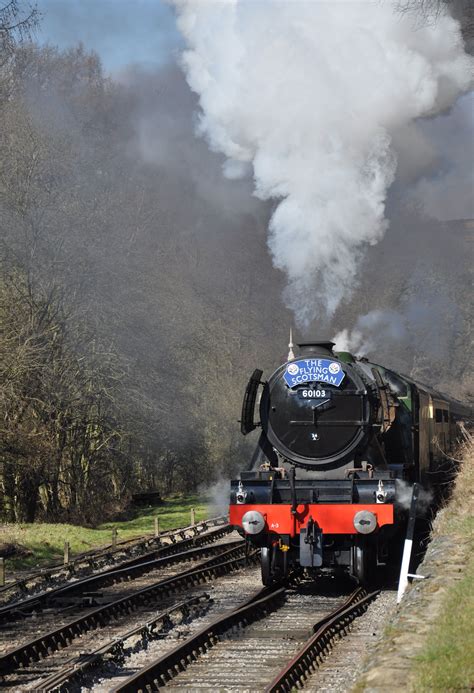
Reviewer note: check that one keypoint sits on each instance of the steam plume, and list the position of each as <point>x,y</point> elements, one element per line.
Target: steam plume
<point>308,95</point>
<point>362,339</point>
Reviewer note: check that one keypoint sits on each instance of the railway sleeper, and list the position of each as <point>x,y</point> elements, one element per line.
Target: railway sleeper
<point>90,562</point>
<point>132,569</point>
<point>116,652</point>
<point>166,667</point>
<point>319,646</point>
<point>110,611</point>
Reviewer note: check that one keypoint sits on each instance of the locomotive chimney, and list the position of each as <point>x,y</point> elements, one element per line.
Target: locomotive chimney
<point>312,349</point>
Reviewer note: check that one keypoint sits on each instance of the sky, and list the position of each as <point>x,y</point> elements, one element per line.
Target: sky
<point>144,33</point>
<point>122,32</point>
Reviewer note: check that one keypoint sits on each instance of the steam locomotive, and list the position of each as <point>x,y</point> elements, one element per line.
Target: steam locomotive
<point>341,441</point>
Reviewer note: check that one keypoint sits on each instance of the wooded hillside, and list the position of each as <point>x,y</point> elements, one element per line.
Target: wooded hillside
<point>137,293</point>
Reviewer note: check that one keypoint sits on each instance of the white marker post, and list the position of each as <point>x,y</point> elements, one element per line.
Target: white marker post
<point>403,581</point>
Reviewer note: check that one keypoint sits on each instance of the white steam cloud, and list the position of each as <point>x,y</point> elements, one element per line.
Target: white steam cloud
<point>423,322</point>
<point>369,328</point>
<point>308,95</point>
<point>404,492</point>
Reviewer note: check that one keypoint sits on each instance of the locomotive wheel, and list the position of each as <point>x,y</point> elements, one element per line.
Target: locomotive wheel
<point>364,563</point>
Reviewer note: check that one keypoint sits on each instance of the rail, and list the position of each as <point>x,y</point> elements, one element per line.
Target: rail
<point>317,647</point>
<point>156,627</point>
<point>44,645</point>
<point>89,560</point>
<point>156,674</point>
<point>133,568</point>
<point>159,672</point>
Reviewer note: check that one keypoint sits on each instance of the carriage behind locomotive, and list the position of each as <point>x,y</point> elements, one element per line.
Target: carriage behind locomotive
<point>342,440</point>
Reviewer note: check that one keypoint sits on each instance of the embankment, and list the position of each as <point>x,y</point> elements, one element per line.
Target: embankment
<point>429,643</point>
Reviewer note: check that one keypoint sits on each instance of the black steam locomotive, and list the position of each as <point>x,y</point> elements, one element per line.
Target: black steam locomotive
<point>341,441</point>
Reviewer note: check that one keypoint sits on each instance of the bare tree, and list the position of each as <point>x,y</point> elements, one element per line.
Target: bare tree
<point>18,20</point>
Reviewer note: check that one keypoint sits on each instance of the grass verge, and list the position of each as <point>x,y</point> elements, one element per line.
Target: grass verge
<point>446,662</point>
<point>45,542</point>
<point>428,644</point>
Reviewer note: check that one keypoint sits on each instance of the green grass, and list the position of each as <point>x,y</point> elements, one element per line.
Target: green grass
<point>46,541</point>
<point>447,662</point>
<point>175,512</point>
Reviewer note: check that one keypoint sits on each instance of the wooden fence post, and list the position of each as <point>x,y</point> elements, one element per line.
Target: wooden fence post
<point>66,552</point>
<point>157,527</point>
<point>114,538</point>
<point>2,572</point>
<point>193,517</point>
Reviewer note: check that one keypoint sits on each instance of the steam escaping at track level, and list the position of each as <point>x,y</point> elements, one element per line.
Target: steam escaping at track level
<point>308,95</point>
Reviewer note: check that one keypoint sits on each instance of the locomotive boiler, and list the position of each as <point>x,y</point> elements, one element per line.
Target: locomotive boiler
<point>341,438</point>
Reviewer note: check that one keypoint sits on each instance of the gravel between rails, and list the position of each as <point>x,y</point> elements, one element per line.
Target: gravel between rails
<point>13,634</point>
<point>340,670</point>
<point>30,677</point>
<point>227,593</point>
<point>92,639</point>
<point>247,658</point>
<point>136,639</point>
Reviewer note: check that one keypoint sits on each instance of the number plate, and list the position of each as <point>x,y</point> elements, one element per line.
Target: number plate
<point>314,393</point>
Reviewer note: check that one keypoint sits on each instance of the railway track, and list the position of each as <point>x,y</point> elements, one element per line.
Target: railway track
<point>237,641</point>
<point>100,667</point>
<point>116,650</point>
<point>315,650</point>
<point>242,649</point>
<point>51,651</point>
<point>93,560</point>
<point>72,593</point>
